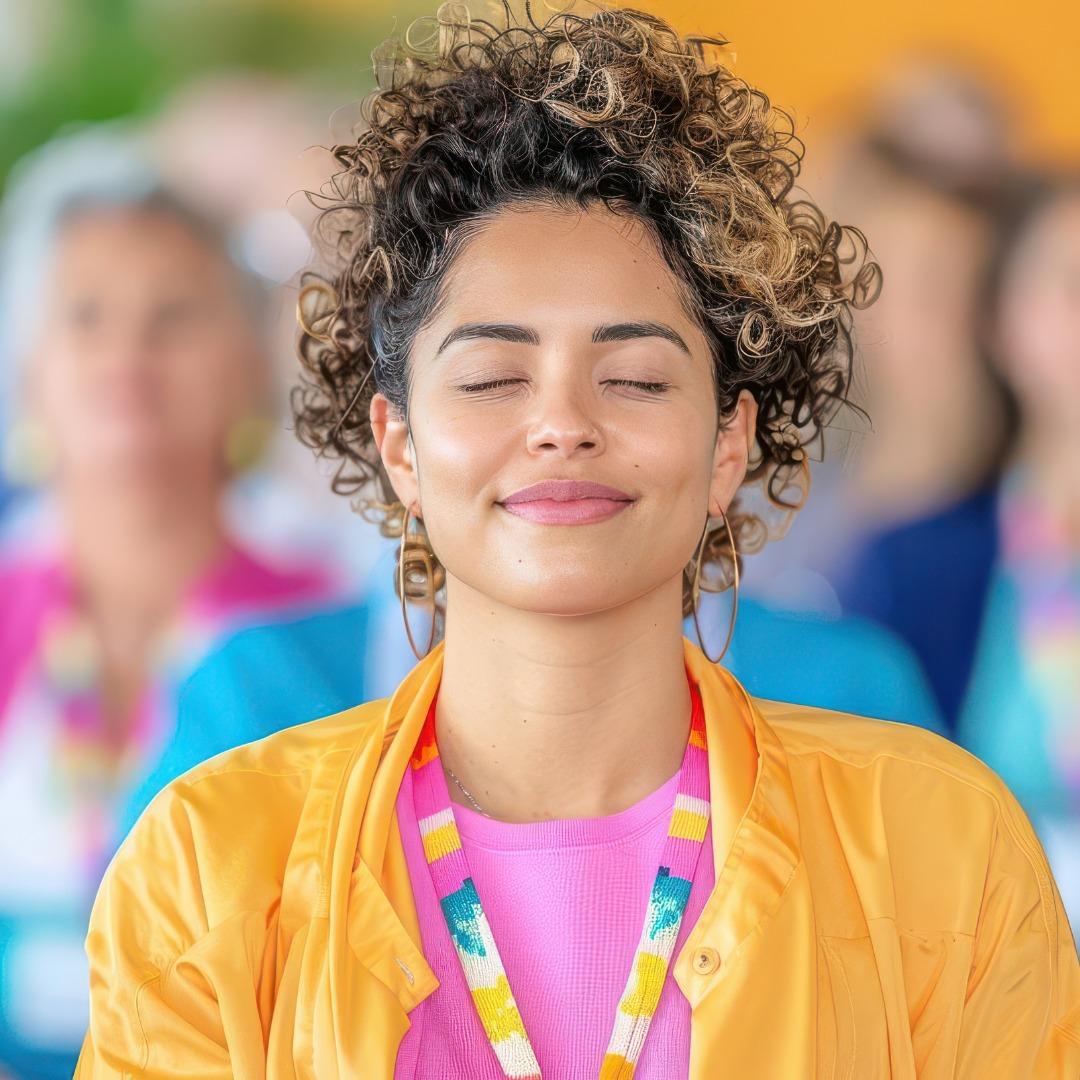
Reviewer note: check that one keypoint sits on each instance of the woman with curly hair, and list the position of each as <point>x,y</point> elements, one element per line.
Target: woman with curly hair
<point>571,340</point>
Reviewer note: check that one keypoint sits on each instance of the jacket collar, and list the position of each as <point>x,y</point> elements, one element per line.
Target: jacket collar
<point>754,826</point>
<point>376,912</point>
<point>755,822</point>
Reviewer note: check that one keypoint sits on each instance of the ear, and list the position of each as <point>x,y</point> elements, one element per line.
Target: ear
<point>733,444</point>
<point>396,450</point>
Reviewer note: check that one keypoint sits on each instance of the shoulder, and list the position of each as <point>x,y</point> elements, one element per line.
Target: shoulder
<point>27,584</point>
<point>221,839</point>
<point>218,877</point>
<point>223,835</point>
<point>942,826</point>
<point>804,729</point>
<point>248,581</point>
<point>250,836</point>
<point>296,751</point>
<point>277,677</point>
<point>836,742</point>
<point>29,590</point>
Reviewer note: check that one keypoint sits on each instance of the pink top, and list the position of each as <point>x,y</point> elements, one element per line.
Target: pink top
<point>566,901</point>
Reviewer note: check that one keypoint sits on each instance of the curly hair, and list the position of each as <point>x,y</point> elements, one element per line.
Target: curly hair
<point>611,108</point>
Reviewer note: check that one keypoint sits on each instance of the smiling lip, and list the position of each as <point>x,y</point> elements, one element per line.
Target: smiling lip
<point>567,502</point>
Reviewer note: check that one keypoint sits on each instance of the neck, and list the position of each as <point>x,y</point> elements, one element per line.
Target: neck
<point>549,716</point>
<point>134,553</point>
<point>928,453</point>
<point>1050,450</point>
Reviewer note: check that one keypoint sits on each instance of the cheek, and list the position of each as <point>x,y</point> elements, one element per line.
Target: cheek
<point>62,388</point>
<point>680,466</point>
<point>458,466</point>
<point>216,379</point>
<point>679,444</point>
<point>1033,345</point>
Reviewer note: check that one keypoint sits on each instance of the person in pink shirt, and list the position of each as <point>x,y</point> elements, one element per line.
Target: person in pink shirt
<point>137,386</point>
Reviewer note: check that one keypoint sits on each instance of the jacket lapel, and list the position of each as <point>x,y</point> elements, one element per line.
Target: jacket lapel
<point>376,970</point>
<point>758,921</point>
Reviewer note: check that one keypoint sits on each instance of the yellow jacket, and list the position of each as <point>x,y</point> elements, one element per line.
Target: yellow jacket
<point>882,909</point>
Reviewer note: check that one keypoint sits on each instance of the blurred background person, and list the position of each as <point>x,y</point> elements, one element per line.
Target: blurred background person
<point>243,145</point>
<point>893,552</point>
<point>1022,713</point>
<point>906,534</point>
<point>138,385</point>
<point>928,164</point>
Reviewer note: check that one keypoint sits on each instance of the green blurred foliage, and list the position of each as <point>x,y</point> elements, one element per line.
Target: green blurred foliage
<point>107,58</point>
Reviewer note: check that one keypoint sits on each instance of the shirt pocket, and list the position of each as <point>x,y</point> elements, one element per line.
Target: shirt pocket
<point>853,1035</point>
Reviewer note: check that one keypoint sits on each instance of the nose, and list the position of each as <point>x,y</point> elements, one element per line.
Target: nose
<point>129,343</point>
<point>564,423</point>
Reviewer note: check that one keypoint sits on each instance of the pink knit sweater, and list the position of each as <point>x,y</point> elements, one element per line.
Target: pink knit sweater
<point>566,901</point>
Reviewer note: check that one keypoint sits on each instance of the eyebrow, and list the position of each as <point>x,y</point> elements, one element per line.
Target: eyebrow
<point>522,335</point>
<point>519,335</point>
<point>628,331</point>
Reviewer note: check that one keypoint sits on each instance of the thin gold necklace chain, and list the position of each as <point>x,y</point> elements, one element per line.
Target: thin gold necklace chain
<point>465,791</point>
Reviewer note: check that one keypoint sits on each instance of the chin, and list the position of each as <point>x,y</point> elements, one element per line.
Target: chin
<point>568,595</point>
<point>561,582</point>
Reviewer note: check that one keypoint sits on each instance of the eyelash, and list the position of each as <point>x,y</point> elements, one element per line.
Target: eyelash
<point>648,387</point>
<point>473,388</point>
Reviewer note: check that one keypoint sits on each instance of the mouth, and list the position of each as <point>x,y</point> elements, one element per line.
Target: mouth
<point>567,502</point>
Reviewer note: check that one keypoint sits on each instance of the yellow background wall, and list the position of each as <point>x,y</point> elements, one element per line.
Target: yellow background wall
<point>814,56</point>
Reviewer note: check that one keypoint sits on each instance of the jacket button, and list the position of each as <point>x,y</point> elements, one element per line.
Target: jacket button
<point>706,961</point>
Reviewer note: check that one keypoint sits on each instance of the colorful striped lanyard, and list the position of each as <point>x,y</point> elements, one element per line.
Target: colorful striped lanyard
<point>471,933</point>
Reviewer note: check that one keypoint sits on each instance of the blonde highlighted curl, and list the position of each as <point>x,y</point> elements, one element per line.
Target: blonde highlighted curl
<point>612,108</point>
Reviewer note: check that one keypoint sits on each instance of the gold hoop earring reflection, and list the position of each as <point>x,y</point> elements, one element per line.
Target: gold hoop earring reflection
<point>324,303</point>
<point>696,589</point>
<point>414,555</point>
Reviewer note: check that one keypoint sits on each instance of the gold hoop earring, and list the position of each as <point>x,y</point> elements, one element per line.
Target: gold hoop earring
<point>695,591</point>
<point>416,552</point>
<point>28,453</point>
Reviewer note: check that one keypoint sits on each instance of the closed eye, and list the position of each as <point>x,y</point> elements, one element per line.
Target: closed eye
<point>648,387</point>
<point>494,384</point>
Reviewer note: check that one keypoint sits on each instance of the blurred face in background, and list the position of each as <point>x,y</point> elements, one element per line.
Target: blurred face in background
<point>917,338</point>
<point>147,355</point>
<point>1039,316</point>
<point>937,411</point>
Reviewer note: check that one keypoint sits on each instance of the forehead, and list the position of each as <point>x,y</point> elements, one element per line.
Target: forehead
<point>570,265</point>
<point>103,245</point>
